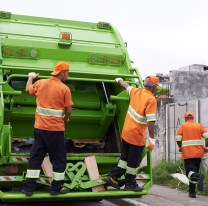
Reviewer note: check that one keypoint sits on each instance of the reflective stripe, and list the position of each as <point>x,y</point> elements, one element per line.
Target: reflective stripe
<point>129,90</point>
<point>58,176</point>
<point>205,135</point>
<point>179,138</point>
<point>50,112</point>
<point>190,173</point>
<point>192,182</point>
<point>33,173</point>
<point>151,117</point>
<point>138,118</point>
<point>192,142</point>
<point>122,164</point>
<point>132,171</point>
<point>189,177</point>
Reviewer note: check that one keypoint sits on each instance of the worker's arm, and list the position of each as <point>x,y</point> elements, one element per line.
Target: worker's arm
<point>150,126</point>
<point>122,83</point>
<point>206,142</point>
<point>68,111</point>
<point>29,82</point>
<point>179,137</point>
<point>32,75</point>
<point>179,143</point>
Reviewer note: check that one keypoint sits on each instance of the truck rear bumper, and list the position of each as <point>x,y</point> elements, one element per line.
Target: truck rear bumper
<point>46,196</point>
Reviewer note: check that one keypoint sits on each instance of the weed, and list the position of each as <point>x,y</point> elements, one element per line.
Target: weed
<point>162,175</point>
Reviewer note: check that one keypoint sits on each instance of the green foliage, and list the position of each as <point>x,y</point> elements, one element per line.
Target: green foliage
<point>163,170</point>
<point>161,91</point>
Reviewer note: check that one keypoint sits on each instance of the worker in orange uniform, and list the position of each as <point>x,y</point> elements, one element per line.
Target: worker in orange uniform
<point>189,139</point>
<point>140,115</point>
<point>53,109</point>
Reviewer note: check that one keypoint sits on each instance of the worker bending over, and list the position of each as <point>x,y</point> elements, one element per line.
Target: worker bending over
<point>189,139</point>
<point>140,115</point>
<point>53,109</point>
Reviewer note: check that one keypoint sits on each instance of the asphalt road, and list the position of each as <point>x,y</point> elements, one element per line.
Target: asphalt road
<point>65,203</point>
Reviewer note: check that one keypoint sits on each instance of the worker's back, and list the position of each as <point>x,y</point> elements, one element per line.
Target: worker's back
<point>51,102</point>
<point>192,144</point>
<point>142,104</point>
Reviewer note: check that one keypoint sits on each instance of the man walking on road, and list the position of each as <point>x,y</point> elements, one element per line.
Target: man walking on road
<point>53,109</point>
<point>140,115</point>
<point>189,139</point>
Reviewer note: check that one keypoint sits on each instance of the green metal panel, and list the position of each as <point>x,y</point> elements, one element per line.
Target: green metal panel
<point>96,54</point>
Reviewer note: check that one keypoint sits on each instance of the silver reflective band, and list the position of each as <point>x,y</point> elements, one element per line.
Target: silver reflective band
<point>33,173</point>
<point>129,90</point>
<point>122,164</point>
<point>151,117</point>
<point>50,112</point>
<point>190,173</point>
<point>138,118</point>
<point>205,135</point>
<point>192,142</point>
<point>179,138</point>
<point>58,176</point>
<point>132,171</point>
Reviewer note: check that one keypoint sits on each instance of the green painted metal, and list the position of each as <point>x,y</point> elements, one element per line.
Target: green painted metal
<point>96,54</point>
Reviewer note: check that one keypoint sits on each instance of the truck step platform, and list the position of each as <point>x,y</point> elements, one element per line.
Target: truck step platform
<point>46,196</point>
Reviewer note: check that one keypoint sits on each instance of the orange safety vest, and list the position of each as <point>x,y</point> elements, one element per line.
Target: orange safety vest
<point>52,98</point>
<point>191,134</point>
<point>142,109</point>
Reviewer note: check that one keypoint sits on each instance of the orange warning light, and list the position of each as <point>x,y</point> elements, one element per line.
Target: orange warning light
<point>65,36</point>
<point>105,59</point>
<point>115,60</point>
<point>8,51</point>
<point>21,52</point>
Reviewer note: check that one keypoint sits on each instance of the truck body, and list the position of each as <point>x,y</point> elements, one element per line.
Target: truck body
<point>96,55</point>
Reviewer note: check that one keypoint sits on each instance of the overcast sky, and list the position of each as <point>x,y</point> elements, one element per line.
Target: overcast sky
<point>162,35</point>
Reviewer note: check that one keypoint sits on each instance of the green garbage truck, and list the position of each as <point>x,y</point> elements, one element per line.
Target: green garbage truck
<point>97,55</point>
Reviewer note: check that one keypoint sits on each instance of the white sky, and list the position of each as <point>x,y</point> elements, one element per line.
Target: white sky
<point>162,35</point>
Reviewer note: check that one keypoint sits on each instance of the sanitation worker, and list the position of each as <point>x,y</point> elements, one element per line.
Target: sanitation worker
<point>54,103</point>
<point>140,115</point>
<point>189,139</point>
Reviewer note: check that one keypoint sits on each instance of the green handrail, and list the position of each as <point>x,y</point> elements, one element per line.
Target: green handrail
<point>70,78</point>
<point>138,76</point>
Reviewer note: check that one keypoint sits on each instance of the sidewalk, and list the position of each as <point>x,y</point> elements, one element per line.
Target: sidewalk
<point>163,196</point>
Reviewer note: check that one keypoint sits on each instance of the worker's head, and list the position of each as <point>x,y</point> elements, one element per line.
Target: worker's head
<point>188,116</point>
<point>61,71</point>
<point>150,83</point>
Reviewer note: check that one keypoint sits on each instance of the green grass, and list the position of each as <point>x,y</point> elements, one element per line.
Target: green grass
<point>162,171</point>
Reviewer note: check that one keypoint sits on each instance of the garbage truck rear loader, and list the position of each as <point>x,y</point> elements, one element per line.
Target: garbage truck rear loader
<point>97,55</point>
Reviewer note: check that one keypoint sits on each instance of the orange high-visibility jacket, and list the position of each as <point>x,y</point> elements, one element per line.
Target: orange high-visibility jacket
<point>52,98</point>
<point>142,109</point>
<point>191,134</point>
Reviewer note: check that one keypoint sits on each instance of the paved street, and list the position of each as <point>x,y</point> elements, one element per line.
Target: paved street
<point>162,196</point>
<point>65,203</point>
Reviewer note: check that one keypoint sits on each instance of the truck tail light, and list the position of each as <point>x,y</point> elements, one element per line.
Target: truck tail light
<point>11,168</point>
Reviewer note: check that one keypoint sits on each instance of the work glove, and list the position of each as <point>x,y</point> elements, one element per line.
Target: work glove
<point>65,121</point>
<point>118,79</point>
<point>205,150</point>
<point>180,149</point>
<point>151,144</point>
<point>33,74</point>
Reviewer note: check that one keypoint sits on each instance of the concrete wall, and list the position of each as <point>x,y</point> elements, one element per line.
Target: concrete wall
<point>188,85</point>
